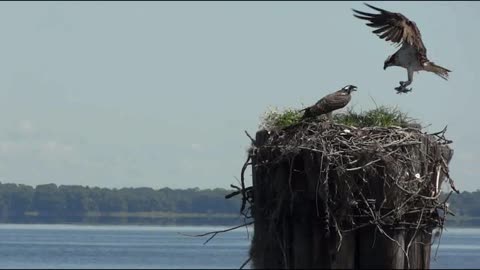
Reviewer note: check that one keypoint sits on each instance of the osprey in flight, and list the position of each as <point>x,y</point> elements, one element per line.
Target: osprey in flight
<point>399,29</point>
<point>329,103</point>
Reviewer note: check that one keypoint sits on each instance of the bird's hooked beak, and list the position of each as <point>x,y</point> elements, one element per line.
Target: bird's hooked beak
<point>385,66</point>
<point>351,88</point>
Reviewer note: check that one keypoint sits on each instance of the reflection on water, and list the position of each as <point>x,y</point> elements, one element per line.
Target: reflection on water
<point>86,246</point>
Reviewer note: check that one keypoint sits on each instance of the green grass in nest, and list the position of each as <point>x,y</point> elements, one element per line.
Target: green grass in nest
<point>277,119</point>
<point>381,116</point>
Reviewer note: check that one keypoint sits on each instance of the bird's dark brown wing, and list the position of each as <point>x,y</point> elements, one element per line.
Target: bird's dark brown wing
<point>330,103</point>
<point>393,27</point>
<point>333,102</point>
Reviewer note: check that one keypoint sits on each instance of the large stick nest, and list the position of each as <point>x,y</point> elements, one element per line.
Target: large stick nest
<point>385,176</point>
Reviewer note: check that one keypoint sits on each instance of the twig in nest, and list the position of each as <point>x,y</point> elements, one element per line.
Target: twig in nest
<point>242,178</point>
<point>438,245</point>
<point>414,234</point>
<point>246,262</point>
<point>450,180</point>
<point>235,193</point>
<point>364,166</point>
<point>214,233</point>
<point>340,240</point>
<point>251,139</point>
<point>440,132</point>
<point>437,180</point>
<point>397,243</point>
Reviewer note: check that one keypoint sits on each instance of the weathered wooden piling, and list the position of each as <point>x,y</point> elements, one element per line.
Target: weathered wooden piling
<point>318,203</point>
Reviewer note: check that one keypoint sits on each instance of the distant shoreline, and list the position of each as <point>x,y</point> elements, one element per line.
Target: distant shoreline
<point>169,219</point>
<point>75,204</point>
<point>128,218</point>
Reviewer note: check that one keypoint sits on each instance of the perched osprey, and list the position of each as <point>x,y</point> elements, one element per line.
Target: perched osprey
<point>329,103</point>
<point>398,29</point>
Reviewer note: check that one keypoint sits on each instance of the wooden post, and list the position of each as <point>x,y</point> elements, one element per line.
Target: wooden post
<point>296,232</point>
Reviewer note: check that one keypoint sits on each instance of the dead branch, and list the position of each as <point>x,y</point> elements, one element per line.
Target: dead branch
<point>214,233</point>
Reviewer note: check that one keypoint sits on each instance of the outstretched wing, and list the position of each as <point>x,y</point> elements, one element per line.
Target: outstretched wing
<point>393,27</point>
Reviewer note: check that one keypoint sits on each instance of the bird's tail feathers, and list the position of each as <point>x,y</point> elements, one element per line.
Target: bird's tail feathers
<point>440,71</point>
<point>306,113</point>
<point>304,109</point>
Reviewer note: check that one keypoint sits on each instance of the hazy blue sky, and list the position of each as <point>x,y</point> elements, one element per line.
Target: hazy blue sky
<point>157,94</point>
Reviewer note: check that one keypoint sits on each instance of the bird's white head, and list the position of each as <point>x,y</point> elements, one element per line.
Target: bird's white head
<point>349,88</point>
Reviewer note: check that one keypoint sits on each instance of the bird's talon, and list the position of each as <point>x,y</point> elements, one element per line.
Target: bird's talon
<point>402,90</point>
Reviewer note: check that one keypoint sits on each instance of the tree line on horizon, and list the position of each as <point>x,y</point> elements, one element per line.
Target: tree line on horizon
<point>76,200</point>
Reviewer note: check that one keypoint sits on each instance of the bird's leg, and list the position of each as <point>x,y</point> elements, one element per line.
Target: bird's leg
<point>406,83</point>
<point>403,85</point>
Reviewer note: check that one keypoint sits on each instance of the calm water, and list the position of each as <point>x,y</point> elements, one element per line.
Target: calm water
<point>72,246</point>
